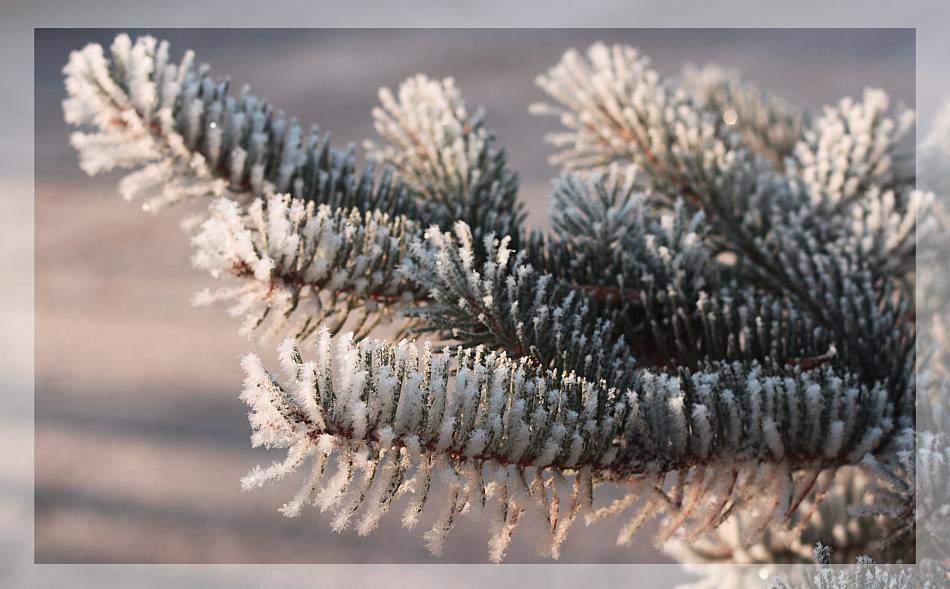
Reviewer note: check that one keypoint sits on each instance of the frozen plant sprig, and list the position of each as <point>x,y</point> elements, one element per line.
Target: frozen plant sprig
<point>478,417</point>
<point>186,136</point>
<point>656,272</point>
<point>826,515</point>
<point>616,108</point>
<point>908,490</point>
<point>504,303</point>
<point>131,98</point>
<point>447,156</point>
<point>851,163</point>
<point>709,325</point>
<point>852,147</point>
<point>768,123</point>
<point>612,236</point>
<point>300,265</point>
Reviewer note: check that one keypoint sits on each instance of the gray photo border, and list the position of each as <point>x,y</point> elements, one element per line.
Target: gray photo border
<point>929,18</point>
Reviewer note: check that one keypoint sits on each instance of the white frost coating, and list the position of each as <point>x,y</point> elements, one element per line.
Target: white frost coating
<point>834,441</point>
<point>296,456</point>
<point>134,123</point>
<point>381,494</point>
<point>702,430</point>
<point>311,485</point>
<point>815,240</point>
<point>449,161</point>
<point>432,139</point>
<point>294,259</point>
<point>382,451</point>
<point>183,130</point>
<point>851,148</point>
<point>767,123</point>
<point>773,438</point>
<point>617,110</point>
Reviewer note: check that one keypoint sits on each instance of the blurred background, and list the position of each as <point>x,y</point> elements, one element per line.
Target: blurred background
<point>140,438</point>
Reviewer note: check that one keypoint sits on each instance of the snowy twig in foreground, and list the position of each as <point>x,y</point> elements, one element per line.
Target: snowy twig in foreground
<point>395,420</point>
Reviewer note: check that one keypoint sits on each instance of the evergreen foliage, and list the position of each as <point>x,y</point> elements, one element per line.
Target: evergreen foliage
<point>720,320</point>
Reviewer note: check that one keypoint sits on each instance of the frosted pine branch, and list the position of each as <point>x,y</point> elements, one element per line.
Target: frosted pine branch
<point>448,157</point>
<point>826,514</point>
<point>187,136</point>
<point>908,489</point>
<point>299,263</point>
<point>506,304</point>
<point>477,417</point>
<point>769,124</point>
<point>432,140</point>
<point>850,163</point>
<point>892,493</point>
<point>852,147</point>
<point>929,471</point>
<point>616,109</point>
<point>687,306</point>
<point>611,235</point>
<point>131,99</point>
<point>721,318</point>
<point>926,474</point>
